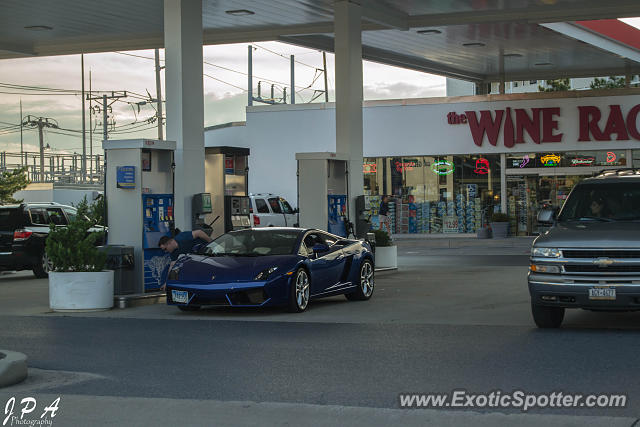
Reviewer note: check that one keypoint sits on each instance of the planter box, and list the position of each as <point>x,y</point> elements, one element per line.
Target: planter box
<point>500,230</point>
<point>386,257</point>
<point>87,291</point>
<point>484,233</point>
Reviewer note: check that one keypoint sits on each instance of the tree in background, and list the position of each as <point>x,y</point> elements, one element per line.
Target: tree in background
<point>10,182</point>
<point>556,85</point>
<point>612,82</point>
<point>93,211</point>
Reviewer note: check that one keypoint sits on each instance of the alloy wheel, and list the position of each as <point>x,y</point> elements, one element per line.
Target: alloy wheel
<point>302,289</point>
<point>47,265</point>
<point>366,279</point>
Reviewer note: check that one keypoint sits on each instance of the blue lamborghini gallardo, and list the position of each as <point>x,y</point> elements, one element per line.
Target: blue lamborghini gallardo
<point>272,266</point>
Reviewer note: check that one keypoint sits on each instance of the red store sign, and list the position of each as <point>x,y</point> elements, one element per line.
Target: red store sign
<point>541,124</point>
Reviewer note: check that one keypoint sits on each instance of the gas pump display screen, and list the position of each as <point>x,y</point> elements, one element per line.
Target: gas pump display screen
<point>240,206</point>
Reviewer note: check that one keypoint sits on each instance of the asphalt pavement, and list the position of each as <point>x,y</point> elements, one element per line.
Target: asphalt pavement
<point>454,316</point>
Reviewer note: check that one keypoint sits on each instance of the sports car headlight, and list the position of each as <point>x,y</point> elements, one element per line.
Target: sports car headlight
<point>173,274</point>
<point>545,252</point>
<point>264,274</point>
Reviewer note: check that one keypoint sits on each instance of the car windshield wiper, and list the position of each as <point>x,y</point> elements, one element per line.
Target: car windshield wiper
<point>594,218</point>
<point>220,254</point>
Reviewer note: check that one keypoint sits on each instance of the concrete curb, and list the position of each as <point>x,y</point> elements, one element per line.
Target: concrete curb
<point>13,368</point>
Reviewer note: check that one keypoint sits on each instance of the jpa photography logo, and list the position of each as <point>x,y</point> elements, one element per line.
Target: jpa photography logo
<point>24,413</point>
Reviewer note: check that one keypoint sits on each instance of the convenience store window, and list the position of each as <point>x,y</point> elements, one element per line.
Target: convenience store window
<point>434,194</point>
<point>572,159</point>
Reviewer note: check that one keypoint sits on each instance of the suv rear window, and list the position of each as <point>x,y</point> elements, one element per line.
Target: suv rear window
<point>39,216</point>
<point>10,219</point>
<point>261,206</point>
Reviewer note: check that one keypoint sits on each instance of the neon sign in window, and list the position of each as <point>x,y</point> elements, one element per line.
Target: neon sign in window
<point>550,160</point>
<point>405,166</point>
<point>443,167</point>
<point>583,161</point>
<point>369,168</point>
<point>611,157</point>
<point>482,166</point>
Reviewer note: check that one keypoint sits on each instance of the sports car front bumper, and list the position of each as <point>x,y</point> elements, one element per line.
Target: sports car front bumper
<point>236,294</point>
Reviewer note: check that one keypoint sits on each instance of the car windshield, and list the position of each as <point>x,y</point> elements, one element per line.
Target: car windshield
<point>254,242</point>
<point>603,202</point>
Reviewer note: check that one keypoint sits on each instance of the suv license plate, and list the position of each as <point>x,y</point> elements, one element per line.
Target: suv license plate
<point>180,296</point>
<point>602,293</point>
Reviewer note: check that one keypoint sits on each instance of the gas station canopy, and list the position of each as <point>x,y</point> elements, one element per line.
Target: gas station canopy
<point>475,40</point>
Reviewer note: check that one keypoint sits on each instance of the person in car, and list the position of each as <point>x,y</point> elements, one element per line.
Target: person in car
<point>599,208</point>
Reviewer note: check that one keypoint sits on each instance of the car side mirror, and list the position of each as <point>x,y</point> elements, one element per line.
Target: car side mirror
<point>547,216</point>
<point>319,248</point>
<point>296,210</point>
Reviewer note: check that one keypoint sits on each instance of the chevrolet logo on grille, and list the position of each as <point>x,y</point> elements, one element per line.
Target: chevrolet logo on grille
<point>603,262</point>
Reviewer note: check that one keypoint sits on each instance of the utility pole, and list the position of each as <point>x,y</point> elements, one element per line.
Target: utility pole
<point>159,94</point>
<point>41,123</point>
<point>115,96</point>
<point>293,81</point>
<point>326,86</point>
<point>90,133</point>
<point>21,149</point>
<point>83,168</point>
<point>250,74</point>
<point>105,106</point>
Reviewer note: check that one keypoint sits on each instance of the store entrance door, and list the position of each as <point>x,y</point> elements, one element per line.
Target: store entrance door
<point>528,193</point>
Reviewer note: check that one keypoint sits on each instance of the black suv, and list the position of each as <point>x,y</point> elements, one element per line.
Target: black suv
<point>23,231</point>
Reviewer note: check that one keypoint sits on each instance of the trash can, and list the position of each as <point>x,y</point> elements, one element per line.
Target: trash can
<point>120,259</point>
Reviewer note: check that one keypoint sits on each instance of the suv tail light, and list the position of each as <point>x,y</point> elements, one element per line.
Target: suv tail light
<point>19,235</point>
<point>256,220</point>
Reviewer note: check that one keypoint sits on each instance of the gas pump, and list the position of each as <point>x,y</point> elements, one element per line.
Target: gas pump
<point>363,216</point>
<point>140,202</point>
<point>226,179</point>
<point>237,213</point>
<point>323,192</point>
<point>200,207</point>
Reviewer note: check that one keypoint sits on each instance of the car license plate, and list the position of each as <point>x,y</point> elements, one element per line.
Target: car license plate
<point>602,293</point>
<point>180,296</point>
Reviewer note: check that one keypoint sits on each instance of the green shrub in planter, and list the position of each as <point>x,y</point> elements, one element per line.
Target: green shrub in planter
<point>73,248</point>
<point>382,238</point>
<point>500,217</point>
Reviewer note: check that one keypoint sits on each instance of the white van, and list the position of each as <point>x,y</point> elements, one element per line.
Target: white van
<point>269,210</point>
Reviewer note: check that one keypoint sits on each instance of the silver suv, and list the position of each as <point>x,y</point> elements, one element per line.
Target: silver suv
<point>590,257</point>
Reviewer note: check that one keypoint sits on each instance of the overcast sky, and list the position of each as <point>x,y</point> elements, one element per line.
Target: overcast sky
<point>225,84</point>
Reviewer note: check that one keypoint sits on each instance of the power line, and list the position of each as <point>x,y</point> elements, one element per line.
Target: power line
<point>40,94</point>
<point>284,56</point>
<point>136,56</point>
<point>222,81</point>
